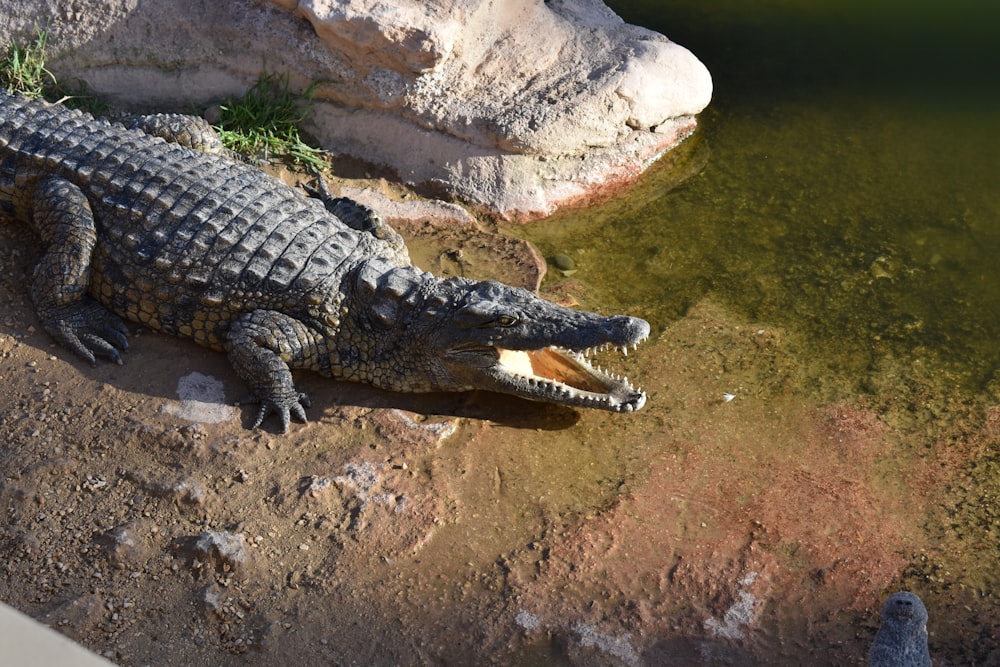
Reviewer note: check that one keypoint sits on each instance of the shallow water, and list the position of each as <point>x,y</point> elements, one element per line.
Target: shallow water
<point>850,186</point>
<point>842,194</point>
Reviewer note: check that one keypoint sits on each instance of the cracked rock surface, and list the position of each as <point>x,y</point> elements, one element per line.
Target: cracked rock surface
<point>517,107</point>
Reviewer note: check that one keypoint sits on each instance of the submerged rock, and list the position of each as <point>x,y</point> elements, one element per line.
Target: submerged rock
<point>516,107</point>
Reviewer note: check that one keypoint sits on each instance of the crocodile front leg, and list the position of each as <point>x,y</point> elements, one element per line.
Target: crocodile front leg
<point>263,346</point>
<point>61,214</point>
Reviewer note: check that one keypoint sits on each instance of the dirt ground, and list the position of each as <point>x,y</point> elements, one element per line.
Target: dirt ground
<point>143,520</point>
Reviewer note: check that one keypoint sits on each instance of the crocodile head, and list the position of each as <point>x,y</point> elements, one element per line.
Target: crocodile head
<point>456,334</point>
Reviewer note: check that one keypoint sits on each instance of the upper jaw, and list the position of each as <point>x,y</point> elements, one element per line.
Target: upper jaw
<point>585,332</point>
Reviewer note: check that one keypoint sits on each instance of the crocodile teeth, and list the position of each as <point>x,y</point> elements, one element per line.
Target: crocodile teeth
<point>566,375</point>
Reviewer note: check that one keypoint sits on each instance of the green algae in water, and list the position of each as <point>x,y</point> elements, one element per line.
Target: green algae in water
<point>868,233</point>
<point>844,186</point>
<point>867,223</point>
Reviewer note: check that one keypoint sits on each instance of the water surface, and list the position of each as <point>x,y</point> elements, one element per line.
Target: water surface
<point>843,190</point>
<point>850,185</point>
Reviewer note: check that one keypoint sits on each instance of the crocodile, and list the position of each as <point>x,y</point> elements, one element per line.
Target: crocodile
<point>139,224</point>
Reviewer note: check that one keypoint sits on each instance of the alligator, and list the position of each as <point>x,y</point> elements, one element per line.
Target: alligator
<point>143,223</point>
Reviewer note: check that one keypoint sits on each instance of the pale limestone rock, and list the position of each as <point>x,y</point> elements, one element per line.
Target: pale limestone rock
<point>516,106</point>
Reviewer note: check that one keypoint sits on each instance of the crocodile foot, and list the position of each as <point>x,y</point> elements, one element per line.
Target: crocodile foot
<point>87,328</point>
<point>285,407</point>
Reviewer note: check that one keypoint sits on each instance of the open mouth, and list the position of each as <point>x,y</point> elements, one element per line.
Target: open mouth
<point>566,376</point>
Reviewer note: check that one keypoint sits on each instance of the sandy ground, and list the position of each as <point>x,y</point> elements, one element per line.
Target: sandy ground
<point>143,520</point>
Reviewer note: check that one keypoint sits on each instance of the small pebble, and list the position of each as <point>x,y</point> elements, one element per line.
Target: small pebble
<point>213,114</point>
<point>564,262</point>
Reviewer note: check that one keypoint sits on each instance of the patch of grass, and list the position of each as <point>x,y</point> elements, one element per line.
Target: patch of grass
<point>22,69</point>
<point>95,106</point>
<point>266,119</point>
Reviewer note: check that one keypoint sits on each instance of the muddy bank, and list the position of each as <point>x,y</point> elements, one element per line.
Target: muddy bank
<point>739,520</point>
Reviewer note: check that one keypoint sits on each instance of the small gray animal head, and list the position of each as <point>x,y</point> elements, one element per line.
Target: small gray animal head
<point>904,608</point>
<point>901,640</point>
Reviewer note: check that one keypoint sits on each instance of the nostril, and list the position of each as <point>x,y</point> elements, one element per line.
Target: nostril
<point>632,328</point>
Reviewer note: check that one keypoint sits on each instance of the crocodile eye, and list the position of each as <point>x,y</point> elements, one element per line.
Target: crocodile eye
<point>504,321</point>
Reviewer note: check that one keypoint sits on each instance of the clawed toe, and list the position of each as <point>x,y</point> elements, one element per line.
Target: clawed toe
<point>284,409</point>
<point>98,346</point>
<point>88,329</point>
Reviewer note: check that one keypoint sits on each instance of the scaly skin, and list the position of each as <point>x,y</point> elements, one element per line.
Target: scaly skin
<point>204,247</point>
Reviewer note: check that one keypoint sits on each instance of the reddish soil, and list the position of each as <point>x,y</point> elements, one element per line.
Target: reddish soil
<point>478,529</point>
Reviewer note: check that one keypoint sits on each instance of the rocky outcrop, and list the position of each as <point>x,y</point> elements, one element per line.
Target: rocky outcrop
<point>516,107</point>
